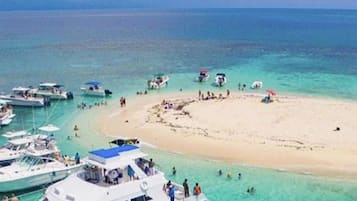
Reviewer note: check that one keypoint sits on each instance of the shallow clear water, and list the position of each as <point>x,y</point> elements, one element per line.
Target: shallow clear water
<point>309,52</point>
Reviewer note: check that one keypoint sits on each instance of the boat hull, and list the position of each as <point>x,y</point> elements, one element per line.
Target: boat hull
<point>59,96</point>
<point>35,180</point>
<point>155,85</point>
<point>202,78</point>
<point>221,84</point>
<point>24,102</point>
<point>98,93</point>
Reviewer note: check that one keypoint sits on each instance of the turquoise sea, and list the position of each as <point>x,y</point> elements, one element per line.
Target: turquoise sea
<point>307,52</point>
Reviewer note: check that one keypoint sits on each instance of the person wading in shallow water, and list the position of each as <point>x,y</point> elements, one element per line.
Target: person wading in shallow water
<point>76,129</point>
<point>186,188</point>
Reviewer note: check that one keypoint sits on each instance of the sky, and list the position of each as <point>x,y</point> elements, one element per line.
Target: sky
<point>116,4</point>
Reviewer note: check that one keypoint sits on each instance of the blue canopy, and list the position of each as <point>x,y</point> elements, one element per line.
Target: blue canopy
<point>93,82</point>
<point>113,152</point>
<point>221,74</point>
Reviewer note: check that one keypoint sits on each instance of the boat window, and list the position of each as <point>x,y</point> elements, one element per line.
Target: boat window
<point>29,161</point>
<point>14,147</point>
<point>8,146</point>
<point>141,198</point>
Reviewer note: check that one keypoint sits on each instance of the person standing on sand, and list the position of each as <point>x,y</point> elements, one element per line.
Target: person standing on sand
<point>199,94</point>
<point>228,93</point>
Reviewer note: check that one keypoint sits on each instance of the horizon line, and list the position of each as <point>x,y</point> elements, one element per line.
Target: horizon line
<point>179,8</point>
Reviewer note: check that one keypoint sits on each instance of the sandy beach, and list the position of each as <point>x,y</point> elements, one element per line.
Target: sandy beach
<point>293,133</point>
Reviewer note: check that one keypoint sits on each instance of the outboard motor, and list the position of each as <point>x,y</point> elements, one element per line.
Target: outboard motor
<point>107,92</point>
<point>46,101</point>
<point>69,95</point>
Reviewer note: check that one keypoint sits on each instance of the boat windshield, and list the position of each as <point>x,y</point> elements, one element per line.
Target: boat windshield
<point>28,161</point>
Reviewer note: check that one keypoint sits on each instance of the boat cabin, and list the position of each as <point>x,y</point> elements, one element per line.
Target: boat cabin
<point>117,165</point>
<point>20,91</point>
<point>18,144</point>
<point>47,86</point>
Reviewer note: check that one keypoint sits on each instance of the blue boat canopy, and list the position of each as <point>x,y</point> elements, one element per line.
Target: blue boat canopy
<point>113,152</point>
<point>221,74</point>
<point>93,83</point>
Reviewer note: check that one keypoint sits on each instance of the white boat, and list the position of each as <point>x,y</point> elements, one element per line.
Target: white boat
<point>6,114</point>
<point>52,91</point>
<point>19,142</point>
<point>159,80</point>
<point>203,76</point>
<point>93,88</point>
<point>221,79</point>
<point>106,178</point>
<point>36,168</point>
<point>21,97</point>
<point>257,85</point>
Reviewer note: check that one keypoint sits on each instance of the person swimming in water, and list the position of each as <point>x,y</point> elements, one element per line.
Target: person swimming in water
<point>229,175</point>
<point>220,172</point>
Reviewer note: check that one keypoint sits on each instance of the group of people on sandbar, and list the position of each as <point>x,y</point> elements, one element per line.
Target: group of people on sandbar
<point>167,104</point>
<point>211,95</point>
<point>141,93</point>
<point>122,101</point>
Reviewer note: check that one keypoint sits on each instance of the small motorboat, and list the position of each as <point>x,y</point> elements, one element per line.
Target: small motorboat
<point>257,85</point>
<point>52,91</point>
<point>221,79</point>
<point>203,76</point>
<point>21,96</point>
<point>93,88</point>
<point>6,114</point>
<point>159,80</point>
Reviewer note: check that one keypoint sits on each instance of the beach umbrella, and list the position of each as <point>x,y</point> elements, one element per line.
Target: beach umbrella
<point>49,128</point>
<point>271,91</point>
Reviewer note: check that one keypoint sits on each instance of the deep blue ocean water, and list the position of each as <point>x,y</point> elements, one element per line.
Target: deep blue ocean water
<point>308,52</point>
